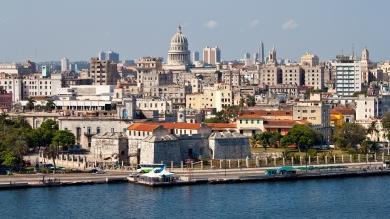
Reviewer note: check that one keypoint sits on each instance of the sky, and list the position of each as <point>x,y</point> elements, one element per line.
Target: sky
<point>45,30</point>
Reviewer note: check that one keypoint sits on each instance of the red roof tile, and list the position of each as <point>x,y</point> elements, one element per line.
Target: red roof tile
<point>222,125</point>
<point>147,127</point>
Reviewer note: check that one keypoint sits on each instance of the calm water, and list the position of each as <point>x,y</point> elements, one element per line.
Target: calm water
<point>337,198</point>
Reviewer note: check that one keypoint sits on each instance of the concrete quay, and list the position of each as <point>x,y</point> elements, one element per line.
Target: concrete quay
<point>188,176</point>
<point>46,180</point>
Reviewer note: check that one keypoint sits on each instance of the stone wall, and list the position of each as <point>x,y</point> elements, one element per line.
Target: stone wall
<point>110,147</point>
<point>229,146</point>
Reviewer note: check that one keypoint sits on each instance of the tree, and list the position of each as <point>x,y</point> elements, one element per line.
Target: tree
<point>254,141</point>
<point>11,160</point>
<point>63,139</point>
<point>269,139</point>
<point>372,129</point>
<point>349,135</point>
<point>49,124</point>
<point>30,103</point>
<point>50,105</point>
<point>386,124</point>
<point>301,135</point>
<point>42,136</point>
<point>250,101</point>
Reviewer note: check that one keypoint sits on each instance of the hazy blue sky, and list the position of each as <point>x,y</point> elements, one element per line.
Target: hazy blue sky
<point>78,29</point>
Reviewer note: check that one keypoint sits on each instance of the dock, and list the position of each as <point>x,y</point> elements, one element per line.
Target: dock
<point>186,178</point>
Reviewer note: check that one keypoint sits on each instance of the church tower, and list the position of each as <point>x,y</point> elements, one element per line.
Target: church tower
<point>272,56</point>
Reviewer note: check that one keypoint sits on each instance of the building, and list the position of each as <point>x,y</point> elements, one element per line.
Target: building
<point>217,96</point>
<point>102,55</point>
<point>85,125</point>
<point>37,85</point>
<point>113,57</point>
<point>293,74</point>
<point>12,84</point>
<point>211,55</point>
<point>163,106</point>
<point>45,71</point>
<point>316,113</point>
<point>309,59</point>
<point>103,72</point>
<point>271,75</point>
<point>365,66</point>
<point>195,57</point>
<point>65,65</point>
<point>148,63</point>
<point>348,75</point>
<point>261,53</point>
<point>228,145</point>
<point>5,100</point>
<point>372,107</point>
<point>340,115</point>
<point>164,142</point>
<point>314,76</point>
<point>110,146</point>
<point>178,54</point>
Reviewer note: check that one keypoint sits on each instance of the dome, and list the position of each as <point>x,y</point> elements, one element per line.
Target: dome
<point>179,37</point>
<point>178,53</point>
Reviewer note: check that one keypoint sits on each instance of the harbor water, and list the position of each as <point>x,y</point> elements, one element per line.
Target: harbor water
<point>360,197</point>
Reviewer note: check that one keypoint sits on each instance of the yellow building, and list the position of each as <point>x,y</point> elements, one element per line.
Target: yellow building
<point>217,97</point>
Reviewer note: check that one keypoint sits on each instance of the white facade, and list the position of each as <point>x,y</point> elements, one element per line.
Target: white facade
<point>10,68</point>
<point>372,107</point>
<point>163,106</point>
<point>64,64</point>
<point>178,54</point>
<point>30,85</point>
<point>348,78</point>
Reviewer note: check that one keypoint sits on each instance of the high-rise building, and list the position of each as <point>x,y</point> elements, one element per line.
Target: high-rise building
<point>211,55</point>
<point>261,53</point>
<point>64,64</point>
<point>45,71</point>
<point>113,57</point>
<point>247,59</point>
<point>102,55</point>
<point>348,78</point>
<point>195,56</point>
<point>103,72</point>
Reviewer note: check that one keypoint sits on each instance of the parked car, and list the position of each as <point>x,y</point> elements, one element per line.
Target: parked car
<point>97,170</point>
<point>5,171</point>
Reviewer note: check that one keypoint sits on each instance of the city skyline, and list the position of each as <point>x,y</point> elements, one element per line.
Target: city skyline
<point>79,35</point>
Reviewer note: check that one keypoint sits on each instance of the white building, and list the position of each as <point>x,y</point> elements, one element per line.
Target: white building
<point>372,107</point>
<point>348,76</point>
<point>178,54</point>
<point>64,64</point>
<point>162,105</point>
<point>30,85</point>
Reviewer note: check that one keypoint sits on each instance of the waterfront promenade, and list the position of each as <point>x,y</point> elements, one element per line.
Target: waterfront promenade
<point>210,175</point>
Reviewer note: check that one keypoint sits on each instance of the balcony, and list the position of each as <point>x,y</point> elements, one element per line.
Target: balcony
<point>89,134</point>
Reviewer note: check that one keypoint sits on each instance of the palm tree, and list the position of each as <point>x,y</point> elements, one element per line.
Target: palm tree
<point>372,129</point>
<point>50,105</point>
<point>254,141</point>
<point>30,103</point>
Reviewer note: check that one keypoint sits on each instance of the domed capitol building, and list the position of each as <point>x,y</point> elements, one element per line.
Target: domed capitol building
<point>178,53</point>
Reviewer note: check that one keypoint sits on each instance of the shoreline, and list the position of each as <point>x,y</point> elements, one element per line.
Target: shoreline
<point>190,178</point>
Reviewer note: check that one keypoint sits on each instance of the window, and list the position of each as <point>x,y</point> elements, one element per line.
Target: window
<point>97,130</point>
